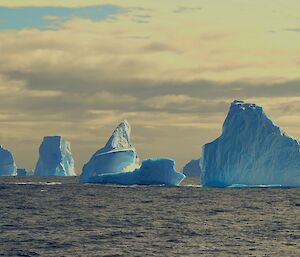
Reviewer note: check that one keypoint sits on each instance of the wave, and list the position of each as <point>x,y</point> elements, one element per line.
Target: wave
<point>36,183</point>
<point>253,186</point>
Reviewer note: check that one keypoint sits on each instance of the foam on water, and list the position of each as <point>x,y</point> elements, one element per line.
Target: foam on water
<point>252,186</point>
<point>36,183</point>
<point>190,185</point>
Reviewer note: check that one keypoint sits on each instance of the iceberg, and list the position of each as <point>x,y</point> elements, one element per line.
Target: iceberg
<point>151,172</point>
<point>55,158</point>
<point>21,172</point>
<point>250,151</point>
<point>118,155</point>
<point>117,163</point>
<point>192,169</point>
<point>7,163</point>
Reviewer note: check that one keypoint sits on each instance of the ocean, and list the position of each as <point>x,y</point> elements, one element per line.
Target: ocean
<point>59,217</point>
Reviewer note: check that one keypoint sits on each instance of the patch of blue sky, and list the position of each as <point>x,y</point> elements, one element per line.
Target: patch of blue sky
<point>45,18</point>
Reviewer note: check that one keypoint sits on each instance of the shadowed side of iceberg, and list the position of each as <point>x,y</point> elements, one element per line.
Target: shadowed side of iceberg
<point>192,169</point>
<point>7,163</point>
<point>106,163</point>
<point>21,172</point>
<point>151,172</point>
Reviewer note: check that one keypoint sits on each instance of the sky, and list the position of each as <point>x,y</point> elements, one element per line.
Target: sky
<point>170,67</point>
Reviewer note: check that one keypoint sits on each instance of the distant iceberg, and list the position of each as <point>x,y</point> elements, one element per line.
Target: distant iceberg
<point>251,151</point>
<point>55,158</point>
<point>21,172</point>
<point>192,169</point>
<point>118,155</point>
<point>7,163</point>
<point>151,172</point>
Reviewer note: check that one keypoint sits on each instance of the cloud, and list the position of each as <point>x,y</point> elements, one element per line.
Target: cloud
<point>210,36</point>
<point>172,77</point>
<point>185,104</point>
<point>293,30</point>
<point>184,9</point>
<point>87,112</point>
<point>159,47</point>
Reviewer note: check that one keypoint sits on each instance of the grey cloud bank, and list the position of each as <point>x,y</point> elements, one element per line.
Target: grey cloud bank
<point>49,99</point>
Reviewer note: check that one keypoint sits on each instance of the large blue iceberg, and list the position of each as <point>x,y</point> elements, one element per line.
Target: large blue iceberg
<point>7,163</point>
<point>251,151</point>
<point>151,172</point>
<point>118,155</point>
<point>55,158</point>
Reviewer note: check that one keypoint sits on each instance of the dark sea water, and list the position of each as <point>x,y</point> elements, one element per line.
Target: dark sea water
<point>59,217</point>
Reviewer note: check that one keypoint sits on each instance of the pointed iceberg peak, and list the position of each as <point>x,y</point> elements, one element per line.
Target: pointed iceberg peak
<point>118,155</point>
<point>243,108</point>
<point>120,138</point>
<point>7,163</point>
<point>239,105</point>
<point>247,116</point>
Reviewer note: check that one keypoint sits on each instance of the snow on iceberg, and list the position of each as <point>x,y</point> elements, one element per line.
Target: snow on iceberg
<point>7,163</point>
<point>55,158</point>
<point>251,151</point>
<point>192,169</point>
<point>151,172</point>
<point>118,155</point>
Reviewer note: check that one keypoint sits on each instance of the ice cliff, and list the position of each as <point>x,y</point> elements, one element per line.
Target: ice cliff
<point>55,158</point>
<point>151,172</point>
<point>250,151</point>
<point>118,155</point>
<point>7,163</point>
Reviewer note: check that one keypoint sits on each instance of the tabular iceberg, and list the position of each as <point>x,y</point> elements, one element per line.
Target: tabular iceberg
<point>55,158</point>
<point>118,155</point>
<point>192,169</point>
<point>151,172</point>
<point>7,163</point>
<point>250,151</point>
